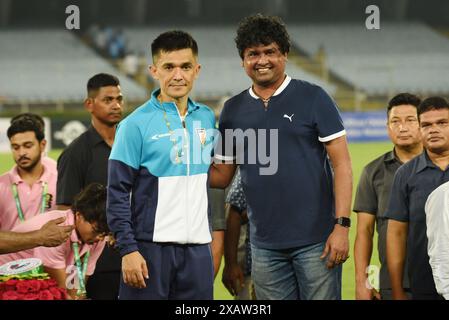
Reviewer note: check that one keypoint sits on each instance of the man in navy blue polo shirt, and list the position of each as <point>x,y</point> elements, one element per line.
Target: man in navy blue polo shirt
<point>412,184</point>
<point>297,243</point>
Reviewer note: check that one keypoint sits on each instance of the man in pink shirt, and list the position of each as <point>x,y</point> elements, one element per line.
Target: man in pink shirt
<point>46,160</point>
<point>29,188</point>
<point>72,262</point>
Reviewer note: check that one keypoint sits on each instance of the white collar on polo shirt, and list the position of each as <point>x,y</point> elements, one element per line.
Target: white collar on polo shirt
<point>278,91</point>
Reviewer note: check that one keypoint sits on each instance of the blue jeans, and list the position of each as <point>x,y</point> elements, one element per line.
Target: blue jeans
<point>296,273</point>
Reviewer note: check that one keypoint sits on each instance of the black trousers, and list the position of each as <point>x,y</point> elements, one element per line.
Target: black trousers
<point>105,282</point>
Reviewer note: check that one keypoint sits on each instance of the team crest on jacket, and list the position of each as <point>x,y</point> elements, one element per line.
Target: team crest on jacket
<point>201,135</point>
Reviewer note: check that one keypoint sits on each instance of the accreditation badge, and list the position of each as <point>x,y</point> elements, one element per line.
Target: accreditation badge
<point>48,200</point>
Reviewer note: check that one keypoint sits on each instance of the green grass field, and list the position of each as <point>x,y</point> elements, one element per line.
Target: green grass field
<point>361,154</point>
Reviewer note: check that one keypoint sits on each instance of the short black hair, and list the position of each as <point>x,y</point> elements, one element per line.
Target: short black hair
<point>25,124</point>
<point>258,30</point>
<point>404,98</point>
<point>30,115</point>
<point>91,204</point>
<point>172,41</point>
<point>432,103</point>
<point>101,80</point>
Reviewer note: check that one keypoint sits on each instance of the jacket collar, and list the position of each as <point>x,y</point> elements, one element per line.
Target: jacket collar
<point>170,107</point>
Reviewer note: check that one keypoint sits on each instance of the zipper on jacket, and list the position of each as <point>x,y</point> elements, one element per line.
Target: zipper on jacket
<point>187,150</point>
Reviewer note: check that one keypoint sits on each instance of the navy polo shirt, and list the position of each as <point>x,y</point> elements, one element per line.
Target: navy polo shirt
<point>294,206</point>
<point>412,184</point>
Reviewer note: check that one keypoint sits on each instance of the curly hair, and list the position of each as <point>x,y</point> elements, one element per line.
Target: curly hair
<point>91,204</point>
<point>23,124</point>
<point>258,30</point>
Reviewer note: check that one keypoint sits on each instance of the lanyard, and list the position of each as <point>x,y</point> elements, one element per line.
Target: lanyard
<point>178,153</point>
<point>15,193</point>
<point>81,269</point>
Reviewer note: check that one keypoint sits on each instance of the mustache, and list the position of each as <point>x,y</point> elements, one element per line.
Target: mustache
<point>23,158</point>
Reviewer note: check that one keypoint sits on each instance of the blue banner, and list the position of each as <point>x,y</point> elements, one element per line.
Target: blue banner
<point>365,126</point>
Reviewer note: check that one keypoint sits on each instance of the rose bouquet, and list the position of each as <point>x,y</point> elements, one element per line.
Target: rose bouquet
<point>31,289</point>
<point>25,279</point>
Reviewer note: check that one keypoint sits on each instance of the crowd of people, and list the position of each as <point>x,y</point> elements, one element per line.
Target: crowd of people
<point>134,208</point>
<point>113,44</point>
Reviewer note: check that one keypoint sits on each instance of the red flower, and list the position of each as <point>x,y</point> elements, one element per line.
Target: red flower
<point>30,296</point>
<point>63,293</point>
<point>52,283</point>
<point>57,295</point>
<point>11,284</point>
<point>32,290</point>
<point>23,287</point>
<point>28,286</point>
<point>44,284</point>
<point>11,295</point>
<point>35,285</point>
<point>46,295</point>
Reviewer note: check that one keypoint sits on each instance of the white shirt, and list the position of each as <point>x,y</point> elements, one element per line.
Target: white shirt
<point>437,220</point>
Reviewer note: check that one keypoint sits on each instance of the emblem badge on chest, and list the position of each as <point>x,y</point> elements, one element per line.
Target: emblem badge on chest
<point>201,135</point>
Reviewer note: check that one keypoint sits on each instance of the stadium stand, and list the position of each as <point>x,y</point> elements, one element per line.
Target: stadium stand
<point>399,57</point>
<point>51,65</point>
<point>221,73</point>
